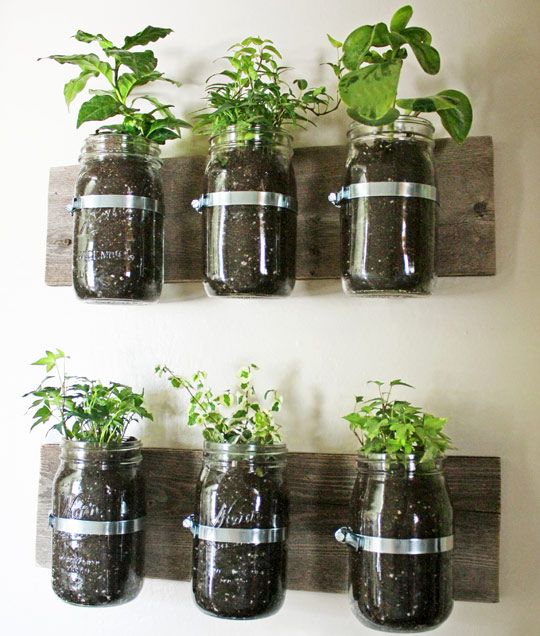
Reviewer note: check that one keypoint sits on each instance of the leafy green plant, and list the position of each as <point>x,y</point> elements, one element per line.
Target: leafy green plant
<point>124,70</point>
<point>234,416</point>
<point>395,427</point>
<point>256,93</point>
<point>82,409</point>
<point>369,69</point>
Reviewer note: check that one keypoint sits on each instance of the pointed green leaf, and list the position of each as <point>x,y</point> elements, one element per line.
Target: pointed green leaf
<point>428,57</point>
<point>458,120</point>
<point>82,36</point>
<point>140,62</point>
<point>98,108</point>
<point>76,85</point>
<point>335,43</point>
<point>147,35</point>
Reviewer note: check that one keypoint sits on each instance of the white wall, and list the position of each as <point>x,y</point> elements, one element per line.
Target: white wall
<point>472,349</point>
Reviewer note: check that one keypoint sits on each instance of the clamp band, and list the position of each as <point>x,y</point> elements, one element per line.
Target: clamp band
<point>245,197</point>
<point>131,201</point>
<point>103,528</point>
<point>384,545</point>
<point>383,189</point>
<point>254,536</point>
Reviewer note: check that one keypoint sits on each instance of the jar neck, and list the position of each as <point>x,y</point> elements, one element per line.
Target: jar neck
<point>408,465</point>
<point>103,145</point>
<point>89,454</point>
<point>252,137</point>
<point>404,127</point>
<point>246,454</point>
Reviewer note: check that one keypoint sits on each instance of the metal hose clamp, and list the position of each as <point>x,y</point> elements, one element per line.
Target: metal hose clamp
<point>103,528</point>
<point>130,201</point>
<point>254,536</point>
<point>384,189</point>
<point>245,197</point>
<point>385,545</point>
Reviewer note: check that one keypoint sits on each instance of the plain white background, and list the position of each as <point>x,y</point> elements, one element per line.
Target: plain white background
<point>472,349</point>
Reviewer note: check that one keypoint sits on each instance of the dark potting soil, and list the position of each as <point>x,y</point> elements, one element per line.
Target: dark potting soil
<point>118,252</point>
<point>98,570</point>
<point>250,250</point>
<point>388,243</point>
<point>401,593</point>
<point>241,581</point>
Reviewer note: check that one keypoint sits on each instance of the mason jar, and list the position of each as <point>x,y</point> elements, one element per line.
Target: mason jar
<point>239,531</point>
<point>118,220</point>
<point>97,519</point>
<point>249,214</point>
<point>389,209</point>
<point>401,540</point>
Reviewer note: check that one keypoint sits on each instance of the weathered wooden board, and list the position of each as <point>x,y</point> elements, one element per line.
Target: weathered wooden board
<point>466,237</point>
<point>320,486</point>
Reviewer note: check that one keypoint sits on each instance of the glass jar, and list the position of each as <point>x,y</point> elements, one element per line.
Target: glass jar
<point>97,518</point>
<point>389,209</point>
<point>239,528</point>
<point>249,214</point>
<point>400,570</point>
<point>118,230</point>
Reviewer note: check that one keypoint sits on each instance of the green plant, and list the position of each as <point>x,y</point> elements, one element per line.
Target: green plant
<point>82,409</point>
<point>117,99</point>
<point>232,417</point>
<point>257,94</point>
<point>395,427</point>
<point>369,76</point>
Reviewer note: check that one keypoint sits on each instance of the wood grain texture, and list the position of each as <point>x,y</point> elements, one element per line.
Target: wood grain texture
<point>320,486</point>
<point>466,237</point>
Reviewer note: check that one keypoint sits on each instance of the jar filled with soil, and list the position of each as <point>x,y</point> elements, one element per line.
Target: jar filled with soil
<point>118,213</point>
<point>239,531</point>
<point>97,519</point>
<point>249,214</point>
<point>389,209</point>
<point>400,572</point>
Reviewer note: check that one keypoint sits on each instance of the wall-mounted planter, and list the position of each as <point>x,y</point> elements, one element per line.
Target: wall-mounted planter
<point>465,234</point>
<point>320,487</point>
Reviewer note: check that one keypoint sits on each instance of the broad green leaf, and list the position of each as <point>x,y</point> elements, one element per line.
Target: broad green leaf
<point>335,43</point>
<point>140,62</point>
<point>429,104</point>
<point>356,46</point>
<point>401,18</point>
<point>390,116</point>
<point>128,81</point>
<point>428,57</point>
<point>371,91</point>
<point>417,34</point>
<point>458,120</point>
<point>98,108</point>
<point>82,36</point>
<point>76,85</point>
<point>89,62</point>
<point>381,35</point>
<point>148,34</point>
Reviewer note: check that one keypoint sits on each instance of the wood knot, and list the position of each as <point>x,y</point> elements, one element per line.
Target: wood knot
<point>480,208</point>
<point>67,242</point>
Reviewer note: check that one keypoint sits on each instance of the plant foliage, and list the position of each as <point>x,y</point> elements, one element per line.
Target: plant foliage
<point>253,92</point>
<point>369,69</point>
<point>236,416</point>
<point>124,70</point>
<point>82,409</point>
<point>395,427</point>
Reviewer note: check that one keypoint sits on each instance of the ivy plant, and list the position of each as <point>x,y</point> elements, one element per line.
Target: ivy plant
<point>123,70</point>
<point>369,69</point>
<point>253,91</point>
<point>82,409</point>
<point>235,416</point>
<point>396,427</point>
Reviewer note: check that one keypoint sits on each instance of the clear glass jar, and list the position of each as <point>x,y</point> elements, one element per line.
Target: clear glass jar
<point>241,487</point>
<point>98,484</point>
<point>388,242</point>
<point>118,250</point>
<point>250,249</point>
<point>401,592</point>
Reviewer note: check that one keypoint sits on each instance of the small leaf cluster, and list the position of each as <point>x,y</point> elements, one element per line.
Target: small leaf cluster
<point>235,416</point>
<point>255,93</point>
<point>396,427</point>
<point>81,409</point>
<point>369,69</point>
<point>124,70</point>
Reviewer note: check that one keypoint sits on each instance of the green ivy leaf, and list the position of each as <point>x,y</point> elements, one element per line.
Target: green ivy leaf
<point>458,120</point>
<point>429,104</point>
<point>98,108</point>
<point>401,18</point>
<point>147,35</point>
<point>381,35</point>
<point>356,46</point>
<point>389,117</point>
<point>428,57</point>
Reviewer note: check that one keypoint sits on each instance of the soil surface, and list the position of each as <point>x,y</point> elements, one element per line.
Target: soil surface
<point>388,243</point>
<point>118,252</point>
<point>250,250</point>
<point>241,581</point>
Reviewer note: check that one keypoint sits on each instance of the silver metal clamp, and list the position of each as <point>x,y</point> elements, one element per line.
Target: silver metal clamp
<point>245,197</point>
<point>103,528</point>
<point>384,189</point>
<point>131,201</point>
<point>385,545</point>
<point>254,536</point>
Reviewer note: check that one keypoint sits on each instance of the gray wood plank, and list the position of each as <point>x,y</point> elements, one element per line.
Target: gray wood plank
<point>466,237</point>
<point>320,487</point>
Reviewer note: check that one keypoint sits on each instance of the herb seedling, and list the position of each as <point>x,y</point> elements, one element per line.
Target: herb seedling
<point>256,93</point>
<point>395,427</point>
<point>234,416</point>
<point>82,409</point>
<point>124,70</point>
<point>369,69</point>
